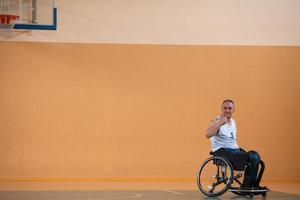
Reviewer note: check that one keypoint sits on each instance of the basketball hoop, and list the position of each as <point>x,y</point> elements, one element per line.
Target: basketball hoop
<point>7,22</point>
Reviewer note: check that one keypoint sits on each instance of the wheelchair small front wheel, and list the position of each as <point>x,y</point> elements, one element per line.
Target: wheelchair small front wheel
<point>215,176</point>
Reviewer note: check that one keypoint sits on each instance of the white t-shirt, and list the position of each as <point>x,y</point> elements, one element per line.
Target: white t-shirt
<point>226,137</point>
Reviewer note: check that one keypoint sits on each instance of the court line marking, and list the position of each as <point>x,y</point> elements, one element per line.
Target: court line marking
<point>135,195</point>
<point>173,192</point>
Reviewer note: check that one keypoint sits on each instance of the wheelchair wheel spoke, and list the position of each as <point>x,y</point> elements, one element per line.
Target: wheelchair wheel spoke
<point>212,190</point>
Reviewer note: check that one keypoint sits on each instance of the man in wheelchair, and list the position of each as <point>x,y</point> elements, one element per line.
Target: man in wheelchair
<point>222,133</point>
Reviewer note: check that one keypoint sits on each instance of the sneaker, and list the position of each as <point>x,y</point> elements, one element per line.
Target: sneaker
<point>245,185</point>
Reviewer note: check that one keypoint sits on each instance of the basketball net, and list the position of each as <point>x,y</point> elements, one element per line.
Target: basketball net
<point>7,22</point>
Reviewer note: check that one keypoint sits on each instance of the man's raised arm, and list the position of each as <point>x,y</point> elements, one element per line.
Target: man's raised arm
<point>214,126</point>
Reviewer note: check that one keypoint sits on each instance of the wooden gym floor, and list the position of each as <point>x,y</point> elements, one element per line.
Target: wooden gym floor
<point>127,190</point>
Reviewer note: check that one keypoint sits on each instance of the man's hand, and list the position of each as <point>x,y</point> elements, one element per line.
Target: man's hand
<point>223,120</point>
<point>214,126</point>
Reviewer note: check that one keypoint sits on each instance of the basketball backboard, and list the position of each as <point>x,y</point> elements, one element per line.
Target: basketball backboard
<point>28,14</point>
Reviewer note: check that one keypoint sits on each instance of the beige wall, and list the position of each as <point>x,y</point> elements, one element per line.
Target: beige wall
<point>75,108</point>
<point>139,111</point>
<point>230,22</point>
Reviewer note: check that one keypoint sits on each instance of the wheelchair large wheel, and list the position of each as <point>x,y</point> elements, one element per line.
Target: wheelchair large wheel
<point>215,176</point>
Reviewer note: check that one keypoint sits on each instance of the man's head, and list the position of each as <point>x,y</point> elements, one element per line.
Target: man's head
<point>227,108</point>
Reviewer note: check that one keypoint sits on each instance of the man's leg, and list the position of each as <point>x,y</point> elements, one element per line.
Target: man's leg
<point>260,174</point>
<point>251,170</point>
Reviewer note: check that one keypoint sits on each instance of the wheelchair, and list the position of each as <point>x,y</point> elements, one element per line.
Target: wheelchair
<point>216,176</point>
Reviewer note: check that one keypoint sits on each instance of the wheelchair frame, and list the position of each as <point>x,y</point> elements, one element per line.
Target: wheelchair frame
<point>227,179</point>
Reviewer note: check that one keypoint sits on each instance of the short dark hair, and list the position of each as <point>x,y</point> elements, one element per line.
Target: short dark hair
<point>228,100</point>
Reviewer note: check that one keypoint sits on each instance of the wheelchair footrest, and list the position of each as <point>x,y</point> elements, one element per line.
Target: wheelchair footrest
<point>249,191</point>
